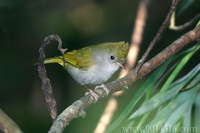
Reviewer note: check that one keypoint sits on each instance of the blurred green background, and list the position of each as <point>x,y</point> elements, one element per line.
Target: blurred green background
<point>23,26</point>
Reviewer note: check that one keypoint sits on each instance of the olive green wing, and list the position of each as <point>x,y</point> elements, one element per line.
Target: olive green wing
<point>82,58</point>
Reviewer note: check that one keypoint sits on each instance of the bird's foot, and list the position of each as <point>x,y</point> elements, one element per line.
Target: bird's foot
<point>104,87</point>
<point>93,94</point>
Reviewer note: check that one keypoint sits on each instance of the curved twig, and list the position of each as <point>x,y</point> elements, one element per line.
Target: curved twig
<point>172,25</point>
<point>46,85</point>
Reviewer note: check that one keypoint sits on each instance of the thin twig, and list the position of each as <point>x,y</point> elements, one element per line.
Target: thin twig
<point>173,26</point>
<point>78,107</point>
<point>131,58</point>
<point>7,125</point>
<point>171,11</point>
<point>46,85</point>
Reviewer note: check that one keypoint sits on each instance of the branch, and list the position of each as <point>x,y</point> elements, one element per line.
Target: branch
<point>161,29</point>
<point>78,107</point>
<point>181,27</point>
<point>46,85</point>
<point>7,125</point>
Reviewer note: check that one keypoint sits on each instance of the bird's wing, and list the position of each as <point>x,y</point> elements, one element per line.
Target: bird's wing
<point>82,58</point>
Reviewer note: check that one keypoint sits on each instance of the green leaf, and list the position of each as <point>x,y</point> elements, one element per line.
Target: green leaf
<point>153,103</point>
<point>150,90</point>
<point>163,96</point>
<point>197,24</point>
<point>187,119</point>
<point>197,112</point>
<point>131,123</point>
<point>160,80</point>
<point>174,109</point>
<point>142,121</point>
<point>182,109</point>
<point>179,67</point>
<point>177,126</point>
<point>184,6</point>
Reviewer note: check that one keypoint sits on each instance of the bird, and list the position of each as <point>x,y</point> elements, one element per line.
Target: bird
<point>93,64</point>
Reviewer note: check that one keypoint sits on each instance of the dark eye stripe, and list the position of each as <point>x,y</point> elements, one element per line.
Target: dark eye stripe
<point>112,57</point>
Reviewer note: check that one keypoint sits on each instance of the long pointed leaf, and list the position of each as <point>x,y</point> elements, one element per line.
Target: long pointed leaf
<point>168,110</point>
<point>197,113</point>
<point>180,111</point>
<point>185,5</point>
<point>179,68</point>
<point>150,90</point>
<point>163,96</point>
<point>187,119</point>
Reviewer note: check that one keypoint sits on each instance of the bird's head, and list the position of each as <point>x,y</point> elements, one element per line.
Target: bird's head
<point>115,52</point>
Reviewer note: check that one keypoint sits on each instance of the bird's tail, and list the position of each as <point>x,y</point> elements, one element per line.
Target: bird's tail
<point>58,60</point>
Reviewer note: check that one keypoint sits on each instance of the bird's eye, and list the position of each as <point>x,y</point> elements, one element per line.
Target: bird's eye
<point>112,57</point>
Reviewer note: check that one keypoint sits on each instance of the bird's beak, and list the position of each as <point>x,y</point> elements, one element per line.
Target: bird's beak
<point>121,64</point>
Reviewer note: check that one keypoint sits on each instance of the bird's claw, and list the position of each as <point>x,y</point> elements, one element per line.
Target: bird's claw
<point>104,87</point>
<point>93,94</point>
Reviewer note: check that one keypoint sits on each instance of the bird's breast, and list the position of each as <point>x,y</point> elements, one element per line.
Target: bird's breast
<point>96,74</point>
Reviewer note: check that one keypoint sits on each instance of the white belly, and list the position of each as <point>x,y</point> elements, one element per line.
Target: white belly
<point>94,75</point>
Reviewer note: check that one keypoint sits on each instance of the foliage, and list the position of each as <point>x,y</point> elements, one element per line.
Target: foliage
<point>170,107</point>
